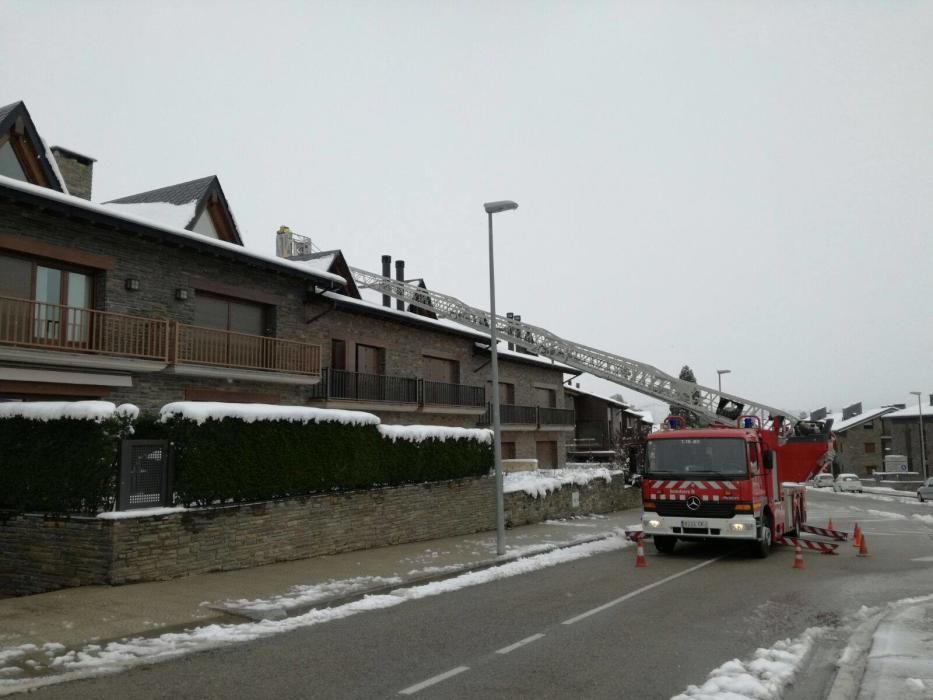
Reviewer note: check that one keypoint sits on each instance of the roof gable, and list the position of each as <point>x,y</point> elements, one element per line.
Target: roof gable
<point>18,133</point>
<point>421,299</point>
<point>197,205</point>
<point>332,261</point>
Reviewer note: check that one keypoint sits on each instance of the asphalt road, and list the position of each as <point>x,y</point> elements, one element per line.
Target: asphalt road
<point>594,628</point>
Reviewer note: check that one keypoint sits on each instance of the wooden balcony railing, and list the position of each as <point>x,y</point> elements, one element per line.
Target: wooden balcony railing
<point>211,346</point>
<point>445,394</point>
<point>36,324</point>
<point>356,386</point>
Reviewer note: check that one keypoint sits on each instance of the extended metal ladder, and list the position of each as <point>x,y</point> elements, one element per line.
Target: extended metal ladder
<point>710,405</point>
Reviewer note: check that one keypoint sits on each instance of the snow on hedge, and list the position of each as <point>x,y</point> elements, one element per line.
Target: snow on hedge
<point>200,411</point>
<point>542,481</point>
<point>57,410</point>
<point>418,433</point>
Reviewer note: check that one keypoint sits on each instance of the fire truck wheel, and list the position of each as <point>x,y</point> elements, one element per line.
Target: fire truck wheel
<point>761,548</point>
<point>665,543</point>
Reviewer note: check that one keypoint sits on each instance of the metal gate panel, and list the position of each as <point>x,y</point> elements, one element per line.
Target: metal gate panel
<point>144,474</point>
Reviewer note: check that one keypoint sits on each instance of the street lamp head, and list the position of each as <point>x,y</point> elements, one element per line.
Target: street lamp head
<point>496,207</point>
<point>918,394</point>
<point>723,371</point>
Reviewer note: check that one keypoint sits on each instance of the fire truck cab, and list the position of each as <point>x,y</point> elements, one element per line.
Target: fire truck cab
<point>740,483</point>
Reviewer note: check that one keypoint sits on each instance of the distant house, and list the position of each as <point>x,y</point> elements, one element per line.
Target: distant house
<point>607,430</point>
<point>902,428</point>
<point>861,439</point>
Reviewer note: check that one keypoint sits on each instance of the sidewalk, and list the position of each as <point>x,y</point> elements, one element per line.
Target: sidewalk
<point>74,616</point>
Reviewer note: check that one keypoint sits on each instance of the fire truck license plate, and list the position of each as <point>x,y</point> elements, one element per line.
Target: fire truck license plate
<point>695,523</point>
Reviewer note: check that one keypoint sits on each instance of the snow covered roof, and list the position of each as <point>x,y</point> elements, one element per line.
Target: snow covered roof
<point>176,233</point>
<point>575,390</point>
<point>840,425</point>
<point>333,262</point>
<point>180,206</point>
<point>911,412</point>
<point>504,352</point>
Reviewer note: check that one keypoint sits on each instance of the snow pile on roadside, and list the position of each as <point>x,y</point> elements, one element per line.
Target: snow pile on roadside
<point>926,519</point>
<point>97,659</point>
<point>886,514</point>
<point>418,433</point>
<point>96,411</point>
<point>201,411</point>
<point>764,677</point>
<point>539,483</point>
<point>139,513</point>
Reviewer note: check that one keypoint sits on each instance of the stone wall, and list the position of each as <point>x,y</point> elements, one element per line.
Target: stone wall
<point>41,554</point>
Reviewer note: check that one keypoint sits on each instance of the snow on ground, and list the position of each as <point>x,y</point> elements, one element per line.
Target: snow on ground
<point>886,514</point>
<point>926,519</point>
<point>763,677</point>
<point>884,495</point>
<point>56,410</point>
<point>53,665</point>
<point>540,482</point>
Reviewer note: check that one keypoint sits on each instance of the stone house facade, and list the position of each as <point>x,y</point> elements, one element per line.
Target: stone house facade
<point>862,441</point>
<point>152,298</point>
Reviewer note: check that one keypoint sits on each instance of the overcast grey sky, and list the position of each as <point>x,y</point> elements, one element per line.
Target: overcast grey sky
<point>742,185</point>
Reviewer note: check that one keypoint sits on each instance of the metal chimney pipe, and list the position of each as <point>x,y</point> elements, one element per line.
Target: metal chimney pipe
<point>518,319</point>
<point>387,272</point>
<point>400,276</point>
<point>510,316</point>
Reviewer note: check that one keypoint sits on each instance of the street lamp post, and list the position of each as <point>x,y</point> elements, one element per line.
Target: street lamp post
<point>494,208</point>
<point>721,372</point>
<point>923,445</point>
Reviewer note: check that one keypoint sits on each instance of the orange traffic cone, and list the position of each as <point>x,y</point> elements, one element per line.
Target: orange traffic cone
<point>640,561</point>
<point>798,557</point>
<point>862,546</point>
<point>858,536</point>
<point>830,525</point>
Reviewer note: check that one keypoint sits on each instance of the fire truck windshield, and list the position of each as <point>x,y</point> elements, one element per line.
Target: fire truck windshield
<point>724,457</point>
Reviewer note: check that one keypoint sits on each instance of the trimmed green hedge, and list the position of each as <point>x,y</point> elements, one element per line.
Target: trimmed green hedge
<point>60,466</point>
<point>233,460</point>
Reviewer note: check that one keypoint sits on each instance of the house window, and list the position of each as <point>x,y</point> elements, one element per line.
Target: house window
<point>370,359</point>
<point>228,314</point>
<point>869,448</point>
<point>52,288</point>
<point>506,394</point>
<point>438,369</point>
<point>547,398</point>
<point>338,354</point>
<point>867,426</point>
<point>508,450</point>
<point>547,454</point>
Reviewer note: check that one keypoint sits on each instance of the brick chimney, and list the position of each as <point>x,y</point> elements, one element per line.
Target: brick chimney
<point>77,169</point>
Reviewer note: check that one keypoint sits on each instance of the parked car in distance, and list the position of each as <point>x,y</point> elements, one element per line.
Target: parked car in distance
<point>925,492</point>
<point>847,482</point>
<point>821,480</point>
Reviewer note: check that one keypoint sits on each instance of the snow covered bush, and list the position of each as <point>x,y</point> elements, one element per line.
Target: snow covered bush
<point>248,452</point>
<point>60,456</point>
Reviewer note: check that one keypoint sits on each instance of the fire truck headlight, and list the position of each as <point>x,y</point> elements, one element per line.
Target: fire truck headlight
<point>738,527</point>
<point>654,522</point>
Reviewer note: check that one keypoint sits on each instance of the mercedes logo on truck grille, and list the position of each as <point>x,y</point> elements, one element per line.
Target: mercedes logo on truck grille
<point>693,503</point>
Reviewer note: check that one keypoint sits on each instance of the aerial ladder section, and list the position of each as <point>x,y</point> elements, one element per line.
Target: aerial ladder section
<point>711,406</point>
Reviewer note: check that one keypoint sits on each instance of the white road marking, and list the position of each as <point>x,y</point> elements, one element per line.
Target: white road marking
<point>526,640</point>
<point>627,596</point>
<point>923,559</point>
<point>874,533</point>
<point>432,681</point>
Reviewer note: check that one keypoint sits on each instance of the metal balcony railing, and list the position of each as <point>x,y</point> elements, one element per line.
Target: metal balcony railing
<point>354,386</point>
<point>445,394</point>
<point>36,324</point>
<point>211,346</point>
<point>556,416</point>
<point>510,414</point>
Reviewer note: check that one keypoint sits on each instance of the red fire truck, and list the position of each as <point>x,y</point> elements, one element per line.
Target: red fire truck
<point>738,483</point>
